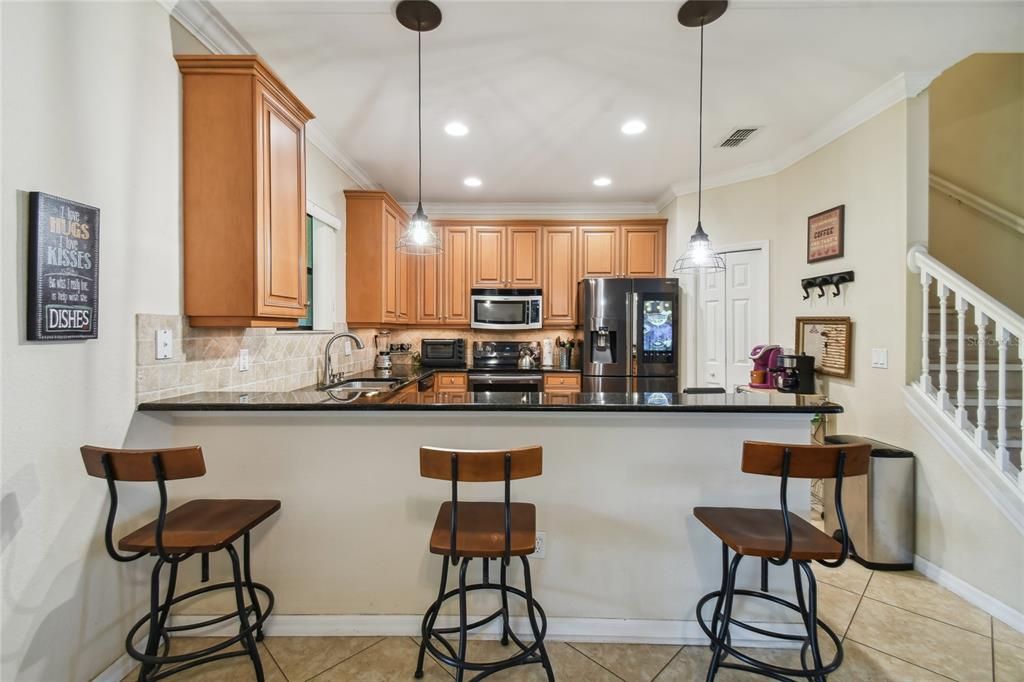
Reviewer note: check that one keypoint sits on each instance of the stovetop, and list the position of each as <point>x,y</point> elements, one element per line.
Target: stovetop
<point>498,356</point>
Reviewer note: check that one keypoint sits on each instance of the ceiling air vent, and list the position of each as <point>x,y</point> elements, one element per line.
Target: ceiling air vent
<point>738,137</point>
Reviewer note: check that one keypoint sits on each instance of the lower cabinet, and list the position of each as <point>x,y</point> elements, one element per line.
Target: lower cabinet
<point>451,382</point>
<point>561,382</point>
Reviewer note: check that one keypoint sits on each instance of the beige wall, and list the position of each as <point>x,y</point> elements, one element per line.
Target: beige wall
<point>977,143</point>
<point>93,117</point>
<point>869,171</point>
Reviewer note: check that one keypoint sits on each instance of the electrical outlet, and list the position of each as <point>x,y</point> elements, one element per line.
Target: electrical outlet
<point>348,346</point>
<point>163,344</point>
<point>880,358</point>
<point>542,542</point>
<point>243,360</point>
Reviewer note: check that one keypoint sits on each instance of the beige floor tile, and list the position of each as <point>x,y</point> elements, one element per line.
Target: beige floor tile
<point>631,662</point>
<point>924,642</point>
<point>1004,633</point>
<point>851,576</point>
<point>567,663</point>
<point>691,664</point>
<point>836,607</point>
<point>912,591</point>
<point>393,658</point>
<point>301,658</point>
<point>1009,662</point>
<point>229,670</point>
<point>863,664</point>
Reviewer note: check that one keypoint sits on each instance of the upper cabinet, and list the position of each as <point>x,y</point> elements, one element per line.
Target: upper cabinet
<point>456,275</point>
<point>643,251</point>
<point>559,285</point>
<point>599,247</point>
<point>379,279</point>
<point>506,256</point>
<point>630,250</point>
<point>244,193</point>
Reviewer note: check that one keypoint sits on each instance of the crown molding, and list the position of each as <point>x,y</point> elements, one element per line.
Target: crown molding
<point>631,209</point>
<point>209,26</point>
<point>665,198</point>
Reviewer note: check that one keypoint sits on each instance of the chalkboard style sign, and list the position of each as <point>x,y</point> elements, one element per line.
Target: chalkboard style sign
<point>63,269</point>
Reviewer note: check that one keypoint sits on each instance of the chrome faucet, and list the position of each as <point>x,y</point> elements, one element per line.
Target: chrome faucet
<point>329,377</point>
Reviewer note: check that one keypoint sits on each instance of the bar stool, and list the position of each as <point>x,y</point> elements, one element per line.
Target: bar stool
<point>778,537</point>
<point>196,527</point>
<point>465,531</point>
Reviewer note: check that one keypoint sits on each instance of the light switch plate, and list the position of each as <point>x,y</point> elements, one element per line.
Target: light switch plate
<point>163,344</point>
<point>243,360</point>
<point>880,358</point>
<point>542,545</point>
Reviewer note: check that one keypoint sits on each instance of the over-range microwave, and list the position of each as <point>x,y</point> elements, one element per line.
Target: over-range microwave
<point>506,309</point>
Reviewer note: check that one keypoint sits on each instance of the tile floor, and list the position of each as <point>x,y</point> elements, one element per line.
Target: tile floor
<point>896,626</point>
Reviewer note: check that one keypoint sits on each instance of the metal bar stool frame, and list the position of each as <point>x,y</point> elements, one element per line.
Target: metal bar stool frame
<point>153,658</point>
<point>528,653</point>
<point>722,619</point>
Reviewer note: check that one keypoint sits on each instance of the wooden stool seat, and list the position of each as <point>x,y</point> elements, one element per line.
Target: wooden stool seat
<point>480,530</point>
<point>202,526</point>
<point>761,533</point>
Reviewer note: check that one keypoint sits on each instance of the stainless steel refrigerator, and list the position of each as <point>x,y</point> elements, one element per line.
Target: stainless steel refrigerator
<point>630,333</point>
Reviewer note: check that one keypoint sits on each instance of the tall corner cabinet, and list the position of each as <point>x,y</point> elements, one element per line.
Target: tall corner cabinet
<point>244,192</point>
<point>380,282</point>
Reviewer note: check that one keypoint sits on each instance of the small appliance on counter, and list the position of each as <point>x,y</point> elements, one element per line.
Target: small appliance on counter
<point>795,374</point>
<point>443,353</point>
<point>382,344</point>
<point>547,353</point>
<point>765,357</point>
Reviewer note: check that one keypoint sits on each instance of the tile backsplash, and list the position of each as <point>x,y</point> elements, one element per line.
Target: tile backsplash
<point>205,359</point>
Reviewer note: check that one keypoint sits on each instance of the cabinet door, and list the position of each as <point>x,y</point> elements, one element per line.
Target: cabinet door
<point>281,202</point>
<point>523,263</point>
<point>559,284</point>
<point>404,287</point>
<point>643,251</point>
<point>599,252</point>
<point>429,288</point>
<point>390,268</point>
<point>488,256</point>
<point>456,276</point>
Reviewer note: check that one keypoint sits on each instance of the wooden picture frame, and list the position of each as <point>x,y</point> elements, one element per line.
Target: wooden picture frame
<point>826,234</point>
<point>829,340</point>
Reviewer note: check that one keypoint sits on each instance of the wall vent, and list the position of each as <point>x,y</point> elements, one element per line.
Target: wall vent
<point>738,136</point>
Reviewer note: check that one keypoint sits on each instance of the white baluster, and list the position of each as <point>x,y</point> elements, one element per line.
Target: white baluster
<point>961,364</point>
<point>1020,355</point>
<point>1002,454</point>
<point>942,397</point>
<point>980,434</point>
<point>926,281</point>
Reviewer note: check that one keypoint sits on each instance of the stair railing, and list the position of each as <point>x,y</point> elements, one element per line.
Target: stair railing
<point>1006,325</point>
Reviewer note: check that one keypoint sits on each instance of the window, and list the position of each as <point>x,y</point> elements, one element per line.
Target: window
<point>321,265</point>
<point>307,321</point>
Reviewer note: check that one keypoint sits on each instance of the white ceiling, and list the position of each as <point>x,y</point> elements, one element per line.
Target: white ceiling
<point>545,86</point>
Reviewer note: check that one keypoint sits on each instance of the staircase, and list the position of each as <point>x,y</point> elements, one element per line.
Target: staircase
<point>972,367</point>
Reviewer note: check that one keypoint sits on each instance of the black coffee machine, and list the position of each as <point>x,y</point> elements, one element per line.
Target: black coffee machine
<point>795,374</point>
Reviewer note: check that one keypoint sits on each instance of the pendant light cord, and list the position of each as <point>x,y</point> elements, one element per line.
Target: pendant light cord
<point>419,108</point>
<point>700,122</point>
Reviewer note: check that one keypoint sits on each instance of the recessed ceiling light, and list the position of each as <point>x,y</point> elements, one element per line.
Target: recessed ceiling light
<point>634,127</point>
<point>472,181</point>
<point>602,181</point>
<point>456,129</point>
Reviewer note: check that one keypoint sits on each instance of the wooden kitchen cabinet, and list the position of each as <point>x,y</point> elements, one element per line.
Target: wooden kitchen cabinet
<point>451,382</point>
<point>561,382</point>
<point>643,251</point>
<point>455,289</point>
<point>559,275</point>
<point>599,251</point>
<point>244,194</point>
<point>430,289</point>
<point>506,256</point>
<point>631,250</point>
<point>379,280</point>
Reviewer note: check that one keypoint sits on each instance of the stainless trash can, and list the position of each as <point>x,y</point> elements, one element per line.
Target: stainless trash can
<point>879,507</point>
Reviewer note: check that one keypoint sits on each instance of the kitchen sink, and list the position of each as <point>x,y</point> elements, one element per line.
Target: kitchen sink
<point>366,385</point>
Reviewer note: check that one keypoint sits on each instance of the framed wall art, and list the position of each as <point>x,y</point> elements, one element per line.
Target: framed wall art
<point>829,340</point>
<point>826,233</point>
<point>63,269</point>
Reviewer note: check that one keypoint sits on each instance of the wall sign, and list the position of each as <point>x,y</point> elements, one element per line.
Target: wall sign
<point>63,269</point>
<point>825,234</point>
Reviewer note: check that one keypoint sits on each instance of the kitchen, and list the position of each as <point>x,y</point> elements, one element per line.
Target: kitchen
<point>672,256</point>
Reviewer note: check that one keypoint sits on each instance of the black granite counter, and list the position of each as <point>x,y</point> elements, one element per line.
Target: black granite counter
<point>312,399</point>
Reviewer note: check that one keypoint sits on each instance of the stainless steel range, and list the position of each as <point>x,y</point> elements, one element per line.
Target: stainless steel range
<point>496,367</point>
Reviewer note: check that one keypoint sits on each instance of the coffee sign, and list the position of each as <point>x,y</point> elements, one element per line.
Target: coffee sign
<point>63,269</point>
<point>825,234</point>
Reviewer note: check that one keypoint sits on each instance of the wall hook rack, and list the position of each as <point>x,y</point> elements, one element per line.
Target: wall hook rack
<point>822,281</point>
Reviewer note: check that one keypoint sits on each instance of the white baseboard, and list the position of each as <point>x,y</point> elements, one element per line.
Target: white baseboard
<point>617,630</point>
<point>970,593</point>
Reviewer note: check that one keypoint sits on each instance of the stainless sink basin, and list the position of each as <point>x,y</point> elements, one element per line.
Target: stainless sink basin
<point>367,385</point>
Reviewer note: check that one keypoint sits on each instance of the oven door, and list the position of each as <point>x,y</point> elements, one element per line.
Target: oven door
<point>505,312</point>
<point>506,383</point>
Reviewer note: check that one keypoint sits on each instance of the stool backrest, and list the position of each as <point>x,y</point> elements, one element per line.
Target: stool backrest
<point>139,465</point>
<point>474,466</point>
<point>805,461</point>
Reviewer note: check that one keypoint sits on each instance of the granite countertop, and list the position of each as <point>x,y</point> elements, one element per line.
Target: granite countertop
<point>313,399</point>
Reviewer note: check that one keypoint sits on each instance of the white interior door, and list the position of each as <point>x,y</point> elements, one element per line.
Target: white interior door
<point>732,317</point>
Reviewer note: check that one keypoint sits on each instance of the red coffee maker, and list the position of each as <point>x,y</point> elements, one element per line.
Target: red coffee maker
<point>765,357</point>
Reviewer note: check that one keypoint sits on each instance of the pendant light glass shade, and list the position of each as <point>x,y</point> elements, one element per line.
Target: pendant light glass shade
<point>700,256</point>
<point>419,237</point>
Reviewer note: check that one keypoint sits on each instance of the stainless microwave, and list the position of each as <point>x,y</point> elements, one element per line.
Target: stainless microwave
<point>506,309</point>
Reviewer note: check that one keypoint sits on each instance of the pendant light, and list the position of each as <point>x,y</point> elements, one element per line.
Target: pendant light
<point>419,237</point>
<point>699,255</point>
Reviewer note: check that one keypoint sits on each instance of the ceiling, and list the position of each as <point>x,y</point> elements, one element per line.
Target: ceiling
<point>545,86</point>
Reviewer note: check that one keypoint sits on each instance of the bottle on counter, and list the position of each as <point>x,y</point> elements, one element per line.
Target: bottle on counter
<point>547,353</point>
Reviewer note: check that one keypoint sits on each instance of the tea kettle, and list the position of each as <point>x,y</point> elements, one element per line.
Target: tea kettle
<point>527,358</point>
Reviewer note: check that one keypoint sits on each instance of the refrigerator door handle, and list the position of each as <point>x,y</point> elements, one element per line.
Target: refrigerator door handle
<point>635,334</point>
